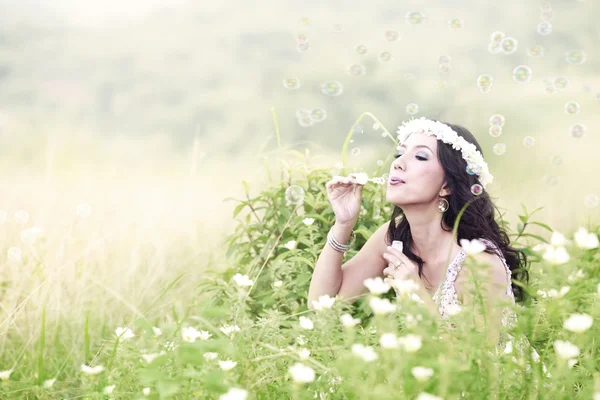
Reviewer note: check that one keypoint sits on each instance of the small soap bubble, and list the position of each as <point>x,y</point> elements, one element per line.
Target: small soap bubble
<point>351,140</point>
<point>528,141</point>
<point>546,15</point>
<point>305,122</point>
<point>485,82</point>
<point>305,21</point>
<point>386,176</point>
<point>357,70</point>
<point>561,83</point>
<point>497,37</point>
<point>495,131</point>
<point>391,36</point>
<point>477,189</point>
<point>441,84</point>
<point>332,88</point>
<point>551,180</point>
<point>384,134</point>
<point>499,149</point>
<point>337,28</point>
<point>497,119</point>
<point>301,38</point>
<point>376,126</point>
<point>456,23</point>
<point>509,45</point>
<point>380,163</point>
<point>494,48</point>
<point>536,51</point>
<point>83,210</point>
<point>302,112</point>
<point>302,46</point>
<point>291,83</point>
<point>318,114</point>
<point>591,201</point>
<point>445,60</point>
<point>473,169</point>
<point>445,67</point>
<point>572,108</point>
<point>385,56</point>
<point>586,87</point>
<point>544,28</point>
<point>522,74</point>
<point>576,57</point>
<point>415,17</point>
<point>294,195</point>
<point>557,160</point>
<point>577,131</point>
<point>546,6</point>
<point>412,108</point>
<point>358,129</point>
<point>355,152</point>
<point>360,49</point>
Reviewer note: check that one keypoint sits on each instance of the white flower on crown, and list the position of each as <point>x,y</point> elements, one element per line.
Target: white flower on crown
<point>444,133</point>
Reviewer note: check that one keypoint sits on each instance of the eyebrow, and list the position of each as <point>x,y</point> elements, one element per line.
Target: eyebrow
<point>419,145</point>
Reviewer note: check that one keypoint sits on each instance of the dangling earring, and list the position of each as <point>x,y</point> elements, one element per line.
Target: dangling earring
<point>443,205</point>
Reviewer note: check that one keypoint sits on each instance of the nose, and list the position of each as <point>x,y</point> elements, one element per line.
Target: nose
<point>398,164</point>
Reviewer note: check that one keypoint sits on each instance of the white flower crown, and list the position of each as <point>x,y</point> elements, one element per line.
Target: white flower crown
<point>444,133</point>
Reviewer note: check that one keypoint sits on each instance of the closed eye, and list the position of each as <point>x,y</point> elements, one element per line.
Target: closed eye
<point>418,156</point>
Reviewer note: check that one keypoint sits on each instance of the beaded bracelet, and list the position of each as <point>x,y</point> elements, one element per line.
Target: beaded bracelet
<point>337,246</point>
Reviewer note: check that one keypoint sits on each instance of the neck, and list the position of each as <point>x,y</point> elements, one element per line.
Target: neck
<point>430,241</point>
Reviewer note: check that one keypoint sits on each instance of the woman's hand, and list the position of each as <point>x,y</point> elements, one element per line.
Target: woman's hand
<point>399,266</point>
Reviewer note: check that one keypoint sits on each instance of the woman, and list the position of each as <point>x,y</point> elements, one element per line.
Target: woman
<point>438,168</point>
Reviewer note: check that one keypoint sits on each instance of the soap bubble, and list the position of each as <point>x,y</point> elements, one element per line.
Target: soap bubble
<point>441,84</point>
<point>412,108</point>
<point>380,163</point>
<point>544,28</point>
<point>536,51</point>
<point>83,210</point>
<point>294,195</point>
<point>494,48</point>
<point>577,130</point>
<point>509,45</point>
<point>301,38</point>
<point>561,83</point>
<point>484,82</point>
<point>305,21</point>
<point>522,74</point>
<point>495,131</point>
<point>546,6</point>
<point>332,88</point>
<point>591,201</point>
<point>305,122</point>
<point>357,70</point>
<point>546,15</point>
<point>445,67</point>
<point>499,149</point>
<point>376,126</point>
<point>358,129</point>
<point>360,49</point>
<point>551,180</point>
<point>302,46</point>
<point>456,23</point>
<point>22,217</point>
<point>338,28</point>
<point>557,160</point>
<point>318,114</point>
<point>528,141</point>
<point>497,119</point>
<point>415,17</point>
<point>572,108</point>
<point>385,56</point>
<point>355,152</point>
<point>291,83</point>
<point>576,57</point>
<point>391,36</point>
<point>497,37</point>
<point>477,189</point>
<point>445,59</point>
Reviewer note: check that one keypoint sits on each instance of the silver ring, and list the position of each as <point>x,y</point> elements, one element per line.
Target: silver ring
<point>396,267</point>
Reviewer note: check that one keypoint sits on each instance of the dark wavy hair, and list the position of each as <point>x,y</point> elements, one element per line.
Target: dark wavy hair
<point>477,221</point>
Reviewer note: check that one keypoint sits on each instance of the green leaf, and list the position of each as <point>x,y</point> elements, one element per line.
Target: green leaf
<point>523,218</point>
<point>238,208</point>
<point>167,387</point>
<point>542,225</point>
<point>541,239</point>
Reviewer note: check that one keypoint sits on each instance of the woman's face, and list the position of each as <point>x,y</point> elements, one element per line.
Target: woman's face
<point>417,164</point>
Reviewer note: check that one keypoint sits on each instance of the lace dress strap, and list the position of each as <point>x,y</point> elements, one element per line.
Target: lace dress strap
<point>489,243</point>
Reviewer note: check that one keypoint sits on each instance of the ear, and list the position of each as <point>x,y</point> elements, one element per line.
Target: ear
<point>445,191</point>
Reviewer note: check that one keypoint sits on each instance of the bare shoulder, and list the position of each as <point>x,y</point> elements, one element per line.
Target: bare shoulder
<point>496,274</point>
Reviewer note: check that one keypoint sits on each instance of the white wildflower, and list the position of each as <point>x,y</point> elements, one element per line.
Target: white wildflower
<point>472,247</point>
<point>227,364</point>
<point>306,323</point>
<point>30,235</point>
<point>91,370</point>
<point>427,396</point>
<point>454,309</point>
<point>229,329</point>
<point>150,357</point>
<point>376,285</point>
<point>303,353</point>
<point>242,280</point>
<point>585,239</point>
<point>556,255</point>
<point>565,349</point>
<point>382,306</point>
<point>508,348</point>
<point>48,383</point>
<point>348,321</point>
<point>365,352</point>
<point>404,287</point>
<point>190,334</point>
<point>411,342</point>
<point>234,394</point>
<point>571,362</point>
<point>301,339</point>
<point>170,346</point>
<point>576,276</point>
<point>291,245</point>
<point>277,284</point>
<point>557,239</point>
<point>209,356</point>
<point>578,323</point>
<point>302,373</point>
<point>308,221</point>
<point>324,302</point>
<point>146,391</point>
<point>157,331</point>
<point>109,389</point>
<point>5,375</point>
<point>124,333</point>
<point>422,373</point>
<point>388,341</point>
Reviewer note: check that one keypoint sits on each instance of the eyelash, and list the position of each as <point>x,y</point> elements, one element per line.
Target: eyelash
<point>423,157</point>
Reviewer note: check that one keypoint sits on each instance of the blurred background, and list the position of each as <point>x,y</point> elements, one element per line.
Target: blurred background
<point>157,110</point>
